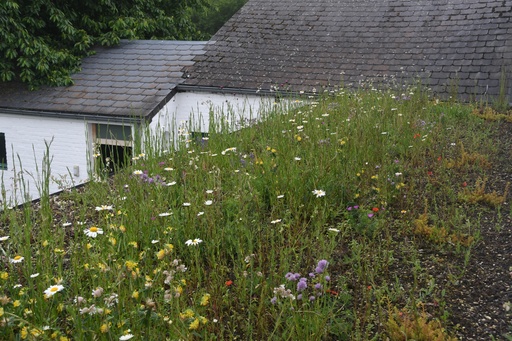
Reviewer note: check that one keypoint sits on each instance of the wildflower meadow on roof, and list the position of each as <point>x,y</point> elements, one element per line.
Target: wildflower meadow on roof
<point>292,228</point>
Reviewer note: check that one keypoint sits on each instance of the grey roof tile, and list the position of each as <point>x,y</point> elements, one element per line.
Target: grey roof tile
<point>269,42</point>
<point>130,79</point>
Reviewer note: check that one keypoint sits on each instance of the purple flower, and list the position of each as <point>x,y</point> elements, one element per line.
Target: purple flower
<point>318,286</point>
<point>311,298</point>
<point>312,275</point>
<point>273,300</point>
<point>327,278</point>
<point>356,207</point>
<point>349,208</point>
<point>302,285</point>
<point>299,297</point>
<point>292,276</point>
<point>322,264</point>
<point>370,215</point>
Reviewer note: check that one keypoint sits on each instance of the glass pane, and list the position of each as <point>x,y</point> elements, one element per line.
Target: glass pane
<point>3,152</point>
<point>114,132</point>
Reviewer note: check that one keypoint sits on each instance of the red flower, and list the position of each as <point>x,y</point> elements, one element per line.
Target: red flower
<point>417,135</point>
<point>229,282</point>
<point>464,184</point>
<point>332,292</point>
<point>375,209</point>
<point>430,173</point>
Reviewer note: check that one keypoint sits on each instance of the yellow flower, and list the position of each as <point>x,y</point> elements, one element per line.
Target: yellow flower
<point>298,138</point>
<point>189,313</point>
<point>160,254</point>
<point>122,228</point>
<point>63,338</point>
<point>45,243</point>
<point>24,333</point>
<point>135,294</point>
<point>16,303</point>
<point>203,319</point>
<point>1,311</point>
<point>130,264</point>
<point>178,290</point>
<point>134,244</point>
<point>375,177</point>
<point>205,299</point>
<point>169,247</point>
<point>113,241</point>
<point>35,332</point>
<point>104,328</point>
<point>60,307</point>
<point>194,325</point>
<point>88,246</point>
<point>4,275</point>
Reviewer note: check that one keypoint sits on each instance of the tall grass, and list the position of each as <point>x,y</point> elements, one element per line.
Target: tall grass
<point>293,228</point>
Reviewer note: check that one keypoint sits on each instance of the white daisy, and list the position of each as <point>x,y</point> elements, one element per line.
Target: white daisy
<point>318,193</point>
<point>208,202</point>
<point>17,259</point>
<point>137,172</point>
<point>194,242</point>
<point>93,231</point>
<point>53,290</point>
<point>126,337</point>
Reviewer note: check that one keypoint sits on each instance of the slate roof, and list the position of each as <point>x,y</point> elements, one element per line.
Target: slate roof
<point>304,44</point>
<point>133,79</point>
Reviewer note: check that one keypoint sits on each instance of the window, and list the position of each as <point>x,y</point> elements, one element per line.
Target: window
<point>3,152</point>
<point>113,146</point>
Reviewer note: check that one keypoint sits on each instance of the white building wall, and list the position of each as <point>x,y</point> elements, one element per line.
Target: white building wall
<point>202,112</point>
<point>25,138</point>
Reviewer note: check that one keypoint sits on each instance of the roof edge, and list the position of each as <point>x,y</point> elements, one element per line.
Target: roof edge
<point>68,115</point>
<point>242,91</point>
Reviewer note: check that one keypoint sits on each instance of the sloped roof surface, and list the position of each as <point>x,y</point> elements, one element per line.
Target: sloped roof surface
<point>132,79</point>
<point>304,44</point>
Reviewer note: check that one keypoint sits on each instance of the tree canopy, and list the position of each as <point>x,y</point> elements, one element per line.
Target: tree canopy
<point>43,41</point>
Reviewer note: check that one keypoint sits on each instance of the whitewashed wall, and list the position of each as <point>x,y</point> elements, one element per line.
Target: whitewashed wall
<point>25,138</point>
<point>200,111</point>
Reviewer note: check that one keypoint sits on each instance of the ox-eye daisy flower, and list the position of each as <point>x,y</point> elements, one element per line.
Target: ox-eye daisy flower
<point>126,337</point>
<point>53,290</point>
<point>4,238</point>
<point>165,214</point>
<point>208,202</point>
<point>318,193</point>
<point>93,231</point>
<point>137,172</point>
<point>104,208</point>
<point>195,241</point>
<point>17,259</point>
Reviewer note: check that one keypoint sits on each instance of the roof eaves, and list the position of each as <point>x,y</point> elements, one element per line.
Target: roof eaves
<point>73,116</point>
<point>243,91</point>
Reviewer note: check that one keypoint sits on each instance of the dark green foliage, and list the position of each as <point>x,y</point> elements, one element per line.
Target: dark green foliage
<point>220,11</point>
<point>43,41</point>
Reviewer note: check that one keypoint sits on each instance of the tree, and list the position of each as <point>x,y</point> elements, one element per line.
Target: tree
<point>210,21</point>
<point>43,41</point>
